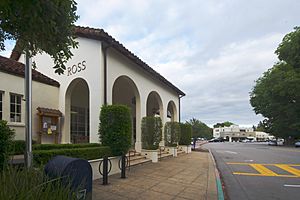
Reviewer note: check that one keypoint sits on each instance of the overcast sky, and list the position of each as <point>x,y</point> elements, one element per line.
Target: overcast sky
<point>212,50</point>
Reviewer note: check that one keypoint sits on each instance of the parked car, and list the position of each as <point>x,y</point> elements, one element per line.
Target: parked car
<point>272,143</point>
<point>297,144</point>
<point>280,142</point>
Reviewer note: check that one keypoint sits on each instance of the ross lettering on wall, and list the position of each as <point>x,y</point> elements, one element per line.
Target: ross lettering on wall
<point>76,68</point>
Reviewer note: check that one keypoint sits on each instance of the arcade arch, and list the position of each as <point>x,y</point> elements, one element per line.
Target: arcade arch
<point>77,111</point>
<point>126,93</point>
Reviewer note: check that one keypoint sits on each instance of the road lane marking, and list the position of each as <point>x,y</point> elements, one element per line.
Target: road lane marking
<point>297,186</point>
<point>255,174</point>
<point>232,152</point>
<point>266,164</point>
<point>264,171</point>
<point>289,169</point>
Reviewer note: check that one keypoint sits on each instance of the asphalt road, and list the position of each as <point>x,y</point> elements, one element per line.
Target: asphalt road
<point>257,171</point>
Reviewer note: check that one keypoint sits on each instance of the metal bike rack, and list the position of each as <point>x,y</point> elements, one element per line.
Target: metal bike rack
<point>123,164</point>
<point>105,170</point>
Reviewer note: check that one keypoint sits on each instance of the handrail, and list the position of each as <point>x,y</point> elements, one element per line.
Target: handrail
<point>160,151</point>
<point>129,158</point>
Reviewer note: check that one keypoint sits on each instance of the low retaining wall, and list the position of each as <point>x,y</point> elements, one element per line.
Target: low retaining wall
<point>150,154</point>
<point>114,168</point>
<point>185,148</point>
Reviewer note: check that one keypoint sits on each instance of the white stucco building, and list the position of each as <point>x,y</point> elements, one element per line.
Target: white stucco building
<point>102,71</point>
<point>236,133</point>
<point>233,132</point>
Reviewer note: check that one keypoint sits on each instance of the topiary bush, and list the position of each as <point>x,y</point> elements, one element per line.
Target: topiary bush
<point>41,157</point>
<point>185,134</point>
<point>172,134</point>
<point>151,132</point>
<point>115,128</point>
<point>6,137</point>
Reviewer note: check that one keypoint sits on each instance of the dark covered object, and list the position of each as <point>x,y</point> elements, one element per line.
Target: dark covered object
<point>74,171</point>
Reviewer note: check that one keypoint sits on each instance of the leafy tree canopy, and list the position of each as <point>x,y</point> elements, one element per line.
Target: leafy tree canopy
<point>223,124</point>
<point>288,50</point>
<point>199,129</point>
<point>39,26</point>
<point>276,94</point>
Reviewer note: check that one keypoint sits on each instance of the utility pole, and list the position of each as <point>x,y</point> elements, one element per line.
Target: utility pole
<point>28,110</point>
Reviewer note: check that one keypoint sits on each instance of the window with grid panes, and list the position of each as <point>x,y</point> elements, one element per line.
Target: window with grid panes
<point>1,107</point>
<point>15,107</point>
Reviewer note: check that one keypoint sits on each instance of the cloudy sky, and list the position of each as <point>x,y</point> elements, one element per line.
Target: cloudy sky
<point>212,50</point>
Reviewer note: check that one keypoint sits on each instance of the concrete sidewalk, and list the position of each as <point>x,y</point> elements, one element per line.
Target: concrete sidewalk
<point>188,176</point>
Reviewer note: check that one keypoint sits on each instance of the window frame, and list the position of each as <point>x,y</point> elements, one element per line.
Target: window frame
<point>1,104</point>
<point>16,105</point>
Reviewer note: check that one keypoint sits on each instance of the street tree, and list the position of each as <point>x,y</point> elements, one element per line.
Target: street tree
<point>276,95</point>
<point>199,129</point>
<point>40,26</point>
<point>223,124</point>
<point>288,50</point>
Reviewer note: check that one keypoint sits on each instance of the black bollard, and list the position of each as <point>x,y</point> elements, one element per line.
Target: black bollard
<point>105,171</point>
<point>123,166</point>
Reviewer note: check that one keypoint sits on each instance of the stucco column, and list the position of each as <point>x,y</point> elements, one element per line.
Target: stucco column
<point>95,104</point>
<point>65,129</point>
<point>141,108</point>
<point>164,119</point>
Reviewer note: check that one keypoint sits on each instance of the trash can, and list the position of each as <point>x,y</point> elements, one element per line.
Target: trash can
<point>76,172</point>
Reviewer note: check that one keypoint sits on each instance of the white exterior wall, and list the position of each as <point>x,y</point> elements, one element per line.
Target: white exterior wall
<point>89,51</point>
<point>43,95</point>
<point>118,65</point>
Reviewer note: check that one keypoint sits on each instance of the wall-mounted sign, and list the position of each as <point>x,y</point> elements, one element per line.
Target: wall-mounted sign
<point>76,68</point>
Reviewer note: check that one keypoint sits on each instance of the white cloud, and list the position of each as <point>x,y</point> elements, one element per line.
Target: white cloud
<point>212,50</point>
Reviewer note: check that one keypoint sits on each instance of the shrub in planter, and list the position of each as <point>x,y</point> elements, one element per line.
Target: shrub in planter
<point>185,134</point>
<point>115,128</point>
<point>172,134</point>
<point>6,137</point>
<point>151,132</point>
<point>41,157</point>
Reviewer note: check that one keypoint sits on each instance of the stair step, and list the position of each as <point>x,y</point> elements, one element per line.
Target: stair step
<point>139,161</point>
<point>136,158</point>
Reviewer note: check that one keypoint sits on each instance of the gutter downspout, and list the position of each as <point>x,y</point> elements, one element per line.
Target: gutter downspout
<point>179,107</point>
<point>105,48</point>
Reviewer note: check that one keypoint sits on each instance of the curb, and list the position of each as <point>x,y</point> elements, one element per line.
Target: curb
<point>218,179</point>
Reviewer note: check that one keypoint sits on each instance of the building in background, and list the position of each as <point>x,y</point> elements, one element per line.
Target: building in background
<point>236,133</point>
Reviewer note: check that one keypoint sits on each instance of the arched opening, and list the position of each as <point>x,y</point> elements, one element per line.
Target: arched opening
<point>126,93</point>
<point>77,109</point>
<point>171,111</point>
<point>154,105</point>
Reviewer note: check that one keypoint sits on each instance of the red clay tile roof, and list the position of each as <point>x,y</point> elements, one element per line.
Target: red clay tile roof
<point>100,34</point>
<point>49,111</point>
<point>16,68</point>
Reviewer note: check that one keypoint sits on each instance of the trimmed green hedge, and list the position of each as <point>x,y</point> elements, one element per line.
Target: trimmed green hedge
<point>172,134</point>
<point>186,134</point>
<point>19,147</point>
<point>151,132</point>
<point>6,138</point>
<point>41,157</point>
<point>63,146</point>
<point>115,128</point>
